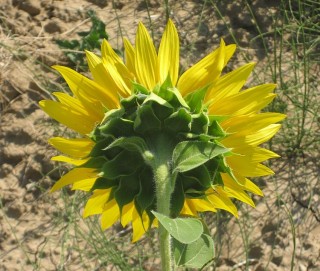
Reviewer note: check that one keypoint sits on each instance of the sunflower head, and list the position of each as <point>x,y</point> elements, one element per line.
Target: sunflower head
<point>136,115</point>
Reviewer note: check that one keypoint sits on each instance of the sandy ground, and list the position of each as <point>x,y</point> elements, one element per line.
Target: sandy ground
<point>27,234</point>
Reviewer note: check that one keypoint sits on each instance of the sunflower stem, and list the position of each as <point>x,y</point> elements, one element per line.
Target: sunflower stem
<point>164,180</point>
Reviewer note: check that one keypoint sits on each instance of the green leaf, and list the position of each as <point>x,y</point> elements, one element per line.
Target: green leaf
<point>185,230</point>
<point>191,154</point>
<point>196,254</point>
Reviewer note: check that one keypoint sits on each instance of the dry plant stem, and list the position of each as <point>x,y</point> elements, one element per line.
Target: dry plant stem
<point>164,188</point>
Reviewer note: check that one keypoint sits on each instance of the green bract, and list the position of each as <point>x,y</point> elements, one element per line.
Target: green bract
<point>127,139</point>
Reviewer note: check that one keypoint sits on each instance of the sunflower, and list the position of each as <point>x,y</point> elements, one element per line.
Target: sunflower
<point>132,112</point>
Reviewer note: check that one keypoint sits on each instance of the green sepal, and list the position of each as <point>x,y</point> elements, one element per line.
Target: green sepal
<point>100,146</point>
<point>95,162</point>
<point>146,196</point>
<point>200,123</point>
<point>171,94</point>
<point>202,176</point>
<point>103,183</point>
<point>124,164</point>
<point>117,127</point>
<point>194,194</point>
<point>216,130</point>
<point>179,121</point>
<point>157,99</point>
<point>112,114</point>
<point>188,155</point>
<point>137,88</point>
<point>127,189</point>
<point>194,255</point>
<point>192,185</point>
<point>135,144</point>
<point>200,137</point>
<point>146,121</point>
<point>131,103</point>
<point>218,118</point>
<point>177,199</point>
<point>177,98</point>
<point>166,84</point>
<point>186,230</point>
<point>161,112</point>
<point>195,99</point>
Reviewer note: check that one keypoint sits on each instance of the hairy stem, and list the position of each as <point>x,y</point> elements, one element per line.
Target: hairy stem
<point>164,187</point>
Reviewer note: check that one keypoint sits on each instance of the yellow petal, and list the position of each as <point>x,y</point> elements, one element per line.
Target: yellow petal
<point>84,185</point>
<point>110,214</point>
<point>122,85</point>
<point>85,105</point>
<point>206,71</point>
<point>95,204</point>
<point>75,147</point>
<point>102,75</point>
<point>108,52</point>
<point>229,84</point>
<point>248,124</point>
<point>220,200</point>
<point>139,224</point>
<point>66,159</point>
<point>251,187</point>
<point>68,116</point>
<point>188,208</point>
<point>126,215</point>
<point>77,106</point>
<point>255,154</point>
<point>74,175</point>
<point>235,190</point>
<point>245,102</point>
<point>230,49</point>
<point>145,59</point>
<point>129,56</point>
<point>202,205</point>
<point>168,56</point>
<point>244,167</point>
<point>116,68</point>
<point>254,139</point>
<point>80,85</point>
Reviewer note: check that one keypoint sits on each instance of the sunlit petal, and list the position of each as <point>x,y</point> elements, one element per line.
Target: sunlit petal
<point>75,175</point>
<point>110,214</point>
<point>75,147</point>
<point>145,59</point>
<point>96,203</point>
<point>168,57</point>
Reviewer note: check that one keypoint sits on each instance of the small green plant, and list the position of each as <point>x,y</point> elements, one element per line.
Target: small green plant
<point>89,40</point>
